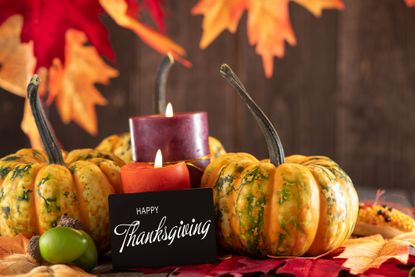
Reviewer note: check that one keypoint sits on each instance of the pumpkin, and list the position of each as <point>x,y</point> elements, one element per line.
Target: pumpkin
<point>36,188</point>
<point>120,144</point>
<point>283,206</point>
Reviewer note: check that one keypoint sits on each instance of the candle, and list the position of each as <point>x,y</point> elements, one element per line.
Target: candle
<point>144,177</point>
<point>180,136</point>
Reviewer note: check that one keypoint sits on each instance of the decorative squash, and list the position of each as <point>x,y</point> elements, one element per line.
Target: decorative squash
<point>120,144</point>
<point>36,189</point>
<point>278,207</point>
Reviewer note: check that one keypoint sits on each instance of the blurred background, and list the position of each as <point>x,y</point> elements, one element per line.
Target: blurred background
<point>347,90</point>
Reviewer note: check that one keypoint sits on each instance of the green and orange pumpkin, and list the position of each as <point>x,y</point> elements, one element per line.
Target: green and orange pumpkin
<point>36,188</point>
<point>293,206</point>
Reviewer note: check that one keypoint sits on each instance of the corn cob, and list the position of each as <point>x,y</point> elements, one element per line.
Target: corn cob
<point>384,220</point>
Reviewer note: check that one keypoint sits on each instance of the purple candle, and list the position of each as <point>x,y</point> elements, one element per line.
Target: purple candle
<point>180,137</point>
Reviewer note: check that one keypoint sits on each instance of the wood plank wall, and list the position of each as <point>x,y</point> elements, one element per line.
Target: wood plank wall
<point>347,90</point>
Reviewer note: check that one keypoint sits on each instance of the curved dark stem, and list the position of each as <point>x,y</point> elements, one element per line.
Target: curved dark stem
<point>161,80</point>
<point>275,149</point>
<point>48,139</point>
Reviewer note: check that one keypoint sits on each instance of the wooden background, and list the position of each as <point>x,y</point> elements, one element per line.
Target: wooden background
<point>347,90</point>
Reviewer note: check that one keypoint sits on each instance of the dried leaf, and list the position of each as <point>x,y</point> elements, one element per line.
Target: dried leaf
<point>13,245</point>
<point>371,252</point>
<point>16,59</point>
<point>219,15</point>
<point>16,264</point>
<point>316,6</point>
<point>118,10</point>
<point>56,270</point>
<point>74,85</point>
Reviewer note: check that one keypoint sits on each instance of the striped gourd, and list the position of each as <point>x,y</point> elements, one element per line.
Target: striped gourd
<point>36,189</point>
<point>300,205</point>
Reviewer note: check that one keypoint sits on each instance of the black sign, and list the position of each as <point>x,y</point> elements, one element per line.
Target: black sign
<point>154,229</point>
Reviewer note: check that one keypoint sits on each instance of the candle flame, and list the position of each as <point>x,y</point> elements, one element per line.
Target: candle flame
<point>158,162</point>
<point>169,110</point>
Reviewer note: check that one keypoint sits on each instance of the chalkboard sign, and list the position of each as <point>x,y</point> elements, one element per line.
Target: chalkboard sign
<point>154,229</point>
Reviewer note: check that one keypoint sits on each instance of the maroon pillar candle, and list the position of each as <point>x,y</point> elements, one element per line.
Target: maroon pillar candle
<point>182,137</point>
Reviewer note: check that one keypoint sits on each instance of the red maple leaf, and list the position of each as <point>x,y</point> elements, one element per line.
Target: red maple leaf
<point>46,23</point>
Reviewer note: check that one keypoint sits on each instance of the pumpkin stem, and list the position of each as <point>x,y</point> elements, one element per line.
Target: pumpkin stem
<point>275,149</point>
<point>161,80</point>
<point>48,139</point>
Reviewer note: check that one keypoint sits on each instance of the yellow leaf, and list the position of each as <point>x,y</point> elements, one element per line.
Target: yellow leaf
<point>74,85</point>
<point>371,252</point>
<point>117,9</point>
<point>316,6</point>
<point>219,15</point>
<point>16,60</point>
<point>269,27</point>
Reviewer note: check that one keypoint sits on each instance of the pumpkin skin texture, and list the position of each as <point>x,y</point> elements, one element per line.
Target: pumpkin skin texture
<point>284,206</point>
<point>37,188</point>
<point>120,145</point>
<point>34,194</point>
<point>306,205</point>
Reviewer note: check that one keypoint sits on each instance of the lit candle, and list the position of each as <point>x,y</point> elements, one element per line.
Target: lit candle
<point>180,136</point>
<point>145,177</point>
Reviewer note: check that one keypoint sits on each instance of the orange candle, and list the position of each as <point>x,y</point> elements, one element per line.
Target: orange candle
<point>145,177</point>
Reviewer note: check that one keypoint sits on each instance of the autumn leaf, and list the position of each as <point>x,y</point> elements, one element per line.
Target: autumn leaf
<point>57,270</point>
<point>268,24</point>
<point>13,245</point>
<point>16,59</point>
<point>269,27</point>
<point>46,23</point>
<point>312,267</point>
<point>28,126</point>
<point>365,253</point>
<point>410,3</point>
<point>16,264</point>
<point>219,15</point>
<point>73,85</point>
<point>316,6</point>
<point>156,12</point>
<point>118,10</point>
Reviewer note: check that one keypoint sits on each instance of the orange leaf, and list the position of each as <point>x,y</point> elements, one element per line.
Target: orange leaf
<point>73,85</point>
<point>219,15</point>
<point>28,126</point>
<point>371,252</point>
<point>410,3</point>
<point>316,6</point>
<point>13,245</point>
<point>117,9</point>
<point>16,60</point>
<point>269,27</point>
